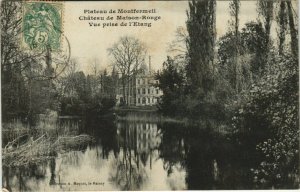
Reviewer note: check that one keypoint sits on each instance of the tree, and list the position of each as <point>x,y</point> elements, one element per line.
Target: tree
<point>282,23</point>
<point>293,30</point>
<point>128,55</point>
<point>178,48</point>
<point>202,31</point>
<point>25,72</point>
<point>265,9</point>
<point>13,86</point>
<point>65,83</point>
<point>234,6</point>
<point>107,85</point>
<point>271,109</point>
<point>285,20</point>
<point>251,53</point>
<point>172,83</point>
<point>253,39</point>
<point>16,64</point>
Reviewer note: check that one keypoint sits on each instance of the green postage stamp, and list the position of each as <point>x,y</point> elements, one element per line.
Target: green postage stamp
<point>42,25</point>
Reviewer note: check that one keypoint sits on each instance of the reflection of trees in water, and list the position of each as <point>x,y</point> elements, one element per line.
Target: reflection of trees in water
<point>172,147</point>
<point>5,178</point>
<point>52,165</point>
<point>126,172</point>
<point>194,150</point>
<point>211,160</point>
<point>137,140</point>
<point>109,141</point>
<point>23,175</point>
<point>199,160</point>
<point>105,133</point>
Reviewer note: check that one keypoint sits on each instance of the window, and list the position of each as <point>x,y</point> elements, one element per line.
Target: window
<point>148,100</point>
<point>144,100</point>
<point>148,91</point>
<point>139,100</point>
<point>152,100</point>
<point>144,91</point>
<point>139,81</point>
<point>138,90</point>
<point>156,91</point>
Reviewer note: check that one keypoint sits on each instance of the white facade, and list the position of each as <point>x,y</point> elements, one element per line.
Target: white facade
<point>147,93</point>
<point>143,91</point>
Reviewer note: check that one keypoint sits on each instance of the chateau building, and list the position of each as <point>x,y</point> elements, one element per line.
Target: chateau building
<point>146,93</point>
<point>142,89</point>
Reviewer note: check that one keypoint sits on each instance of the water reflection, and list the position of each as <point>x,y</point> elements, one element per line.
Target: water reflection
<point>135,154</point>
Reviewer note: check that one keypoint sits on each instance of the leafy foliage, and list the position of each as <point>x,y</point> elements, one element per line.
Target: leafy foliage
<point>264,109</point>
<point>251,44</point>
<point>271,108</point>
<point>87,94</point>
<point>202,31</point>
<point>171,82</point>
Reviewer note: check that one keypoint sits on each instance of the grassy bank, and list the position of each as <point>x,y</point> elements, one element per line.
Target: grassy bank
<point>23,144</point>
<point>137,108</point>
<point>155,117</point>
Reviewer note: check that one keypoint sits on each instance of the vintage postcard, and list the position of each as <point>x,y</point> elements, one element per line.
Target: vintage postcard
<point>149,95</point>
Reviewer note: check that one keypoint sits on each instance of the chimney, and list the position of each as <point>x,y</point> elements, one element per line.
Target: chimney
<point>149,64</point>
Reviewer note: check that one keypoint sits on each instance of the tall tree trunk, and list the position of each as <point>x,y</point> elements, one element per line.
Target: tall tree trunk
<point>268,17</point>
<point>237,51</point>
<point>128,91</point>
<point>293,30</point>
<point>124,87</point>
<point>266,10</point>
<point>282,25</point>
<point>235,9</point>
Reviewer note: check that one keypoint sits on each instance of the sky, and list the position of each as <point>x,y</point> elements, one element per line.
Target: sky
<point>90,44</point>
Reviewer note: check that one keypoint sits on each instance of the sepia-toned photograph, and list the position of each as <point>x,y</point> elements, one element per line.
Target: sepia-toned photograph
<point>149,95</point>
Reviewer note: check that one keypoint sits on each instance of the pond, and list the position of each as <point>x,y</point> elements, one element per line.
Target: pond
<point>141,153</point>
